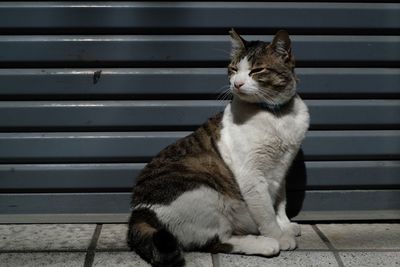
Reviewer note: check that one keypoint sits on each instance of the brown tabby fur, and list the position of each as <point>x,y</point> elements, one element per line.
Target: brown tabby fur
<point>185,165</point>
<point>182,166</point>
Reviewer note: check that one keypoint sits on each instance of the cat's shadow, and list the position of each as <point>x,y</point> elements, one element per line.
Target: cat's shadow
<point>296,184</point>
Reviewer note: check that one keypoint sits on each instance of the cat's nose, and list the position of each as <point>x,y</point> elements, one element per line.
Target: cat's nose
<point>238,84</point>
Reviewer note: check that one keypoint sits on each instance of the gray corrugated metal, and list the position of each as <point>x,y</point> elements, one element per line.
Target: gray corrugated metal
<point>86,102</point>
<point>190,15</point>
<point>189,50</point>
<point>185,83</point>
<point>369,201</point>
<point>136,146</point>
<point>164,114</point>
<point>119,176</point>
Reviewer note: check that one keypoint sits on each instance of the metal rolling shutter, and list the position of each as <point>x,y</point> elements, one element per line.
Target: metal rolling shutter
<point>90,91</point>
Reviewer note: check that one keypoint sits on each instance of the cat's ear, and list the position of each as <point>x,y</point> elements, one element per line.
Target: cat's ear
<point>238,43</point>
<point>282,44</point>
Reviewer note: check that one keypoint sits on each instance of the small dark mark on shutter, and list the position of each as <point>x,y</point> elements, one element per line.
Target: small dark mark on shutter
<point>96,76</point>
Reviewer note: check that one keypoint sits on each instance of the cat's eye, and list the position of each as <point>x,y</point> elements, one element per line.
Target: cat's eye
<point>273,70</point>
<point>256,70</point>
<point>233,69</point>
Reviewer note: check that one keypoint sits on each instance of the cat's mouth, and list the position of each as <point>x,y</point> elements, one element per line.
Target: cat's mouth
<point>246,95</point>
<point>242,92</point>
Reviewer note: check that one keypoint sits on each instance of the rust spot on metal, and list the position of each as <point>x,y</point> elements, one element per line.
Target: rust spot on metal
<point>96,76</point>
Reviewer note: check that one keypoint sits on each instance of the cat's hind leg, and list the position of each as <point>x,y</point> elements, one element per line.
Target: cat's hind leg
<point>198,222</point>
<point>195,219</point>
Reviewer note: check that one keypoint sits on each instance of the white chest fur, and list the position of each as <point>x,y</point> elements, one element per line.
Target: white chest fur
<point>255,142</point>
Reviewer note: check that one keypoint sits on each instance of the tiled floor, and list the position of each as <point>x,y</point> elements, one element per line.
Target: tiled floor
<point>104,245</point>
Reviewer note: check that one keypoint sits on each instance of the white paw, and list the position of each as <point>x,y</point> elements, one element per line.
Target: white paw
<point>295,228</point>
<point>270,246</point>
<point>287,242</point>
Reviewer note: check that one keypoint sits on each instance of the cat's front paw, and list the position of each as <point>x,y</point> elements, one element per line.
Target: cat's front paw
<point>295,229</point>
<point>270,247</point>
<point>287,242</point>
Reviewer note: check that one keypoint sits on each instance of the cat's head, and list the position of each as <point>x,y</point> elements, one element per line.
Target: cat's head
<point>260,71</point>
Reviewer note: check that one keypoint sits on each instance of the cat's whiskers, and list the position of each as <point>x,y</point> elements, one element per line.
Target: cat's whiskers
<point>224,97</point>
<point>266,97</point>
<point>223,87</point>
<point>225,94</point>
<point>222,94</point>
<point>265,94</point>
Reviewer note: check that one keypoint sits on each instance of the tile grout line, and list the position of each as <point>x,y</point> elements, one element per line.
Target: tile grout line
<point>350,250</point>
<point>369,250</point>
<point>215,260</point>
<point>44,251</point>
<point>89,258</point>
<point>328,244</point>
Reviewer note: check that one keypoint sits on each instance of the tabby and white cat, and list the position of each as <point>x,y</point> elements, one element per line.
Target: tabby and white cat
<point>222,188</point>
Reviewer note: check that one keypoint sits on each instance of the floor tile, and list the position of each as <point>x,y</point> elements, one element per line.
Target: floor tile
<point>46,236</point>
<point>126,259</point>
<point>370,259</point>
<point>309,239</point>
<point>113,236</point>
<point>120,259</point>
<point>292,258</point>
<point>56,259</point>
<point>195,259</point>
<point>362,236</point>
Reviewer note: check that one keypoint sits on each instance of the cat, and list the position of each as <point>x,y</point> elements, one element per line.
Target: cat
<point>222,188</point>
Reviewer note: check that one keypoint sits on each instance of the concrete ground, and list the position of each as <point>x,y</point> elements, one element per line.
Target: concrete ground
<point>104,245</point>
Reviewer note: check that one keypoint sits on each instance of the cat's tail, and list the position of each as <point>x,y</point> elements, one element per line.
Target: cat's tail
<point>152,241</point>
